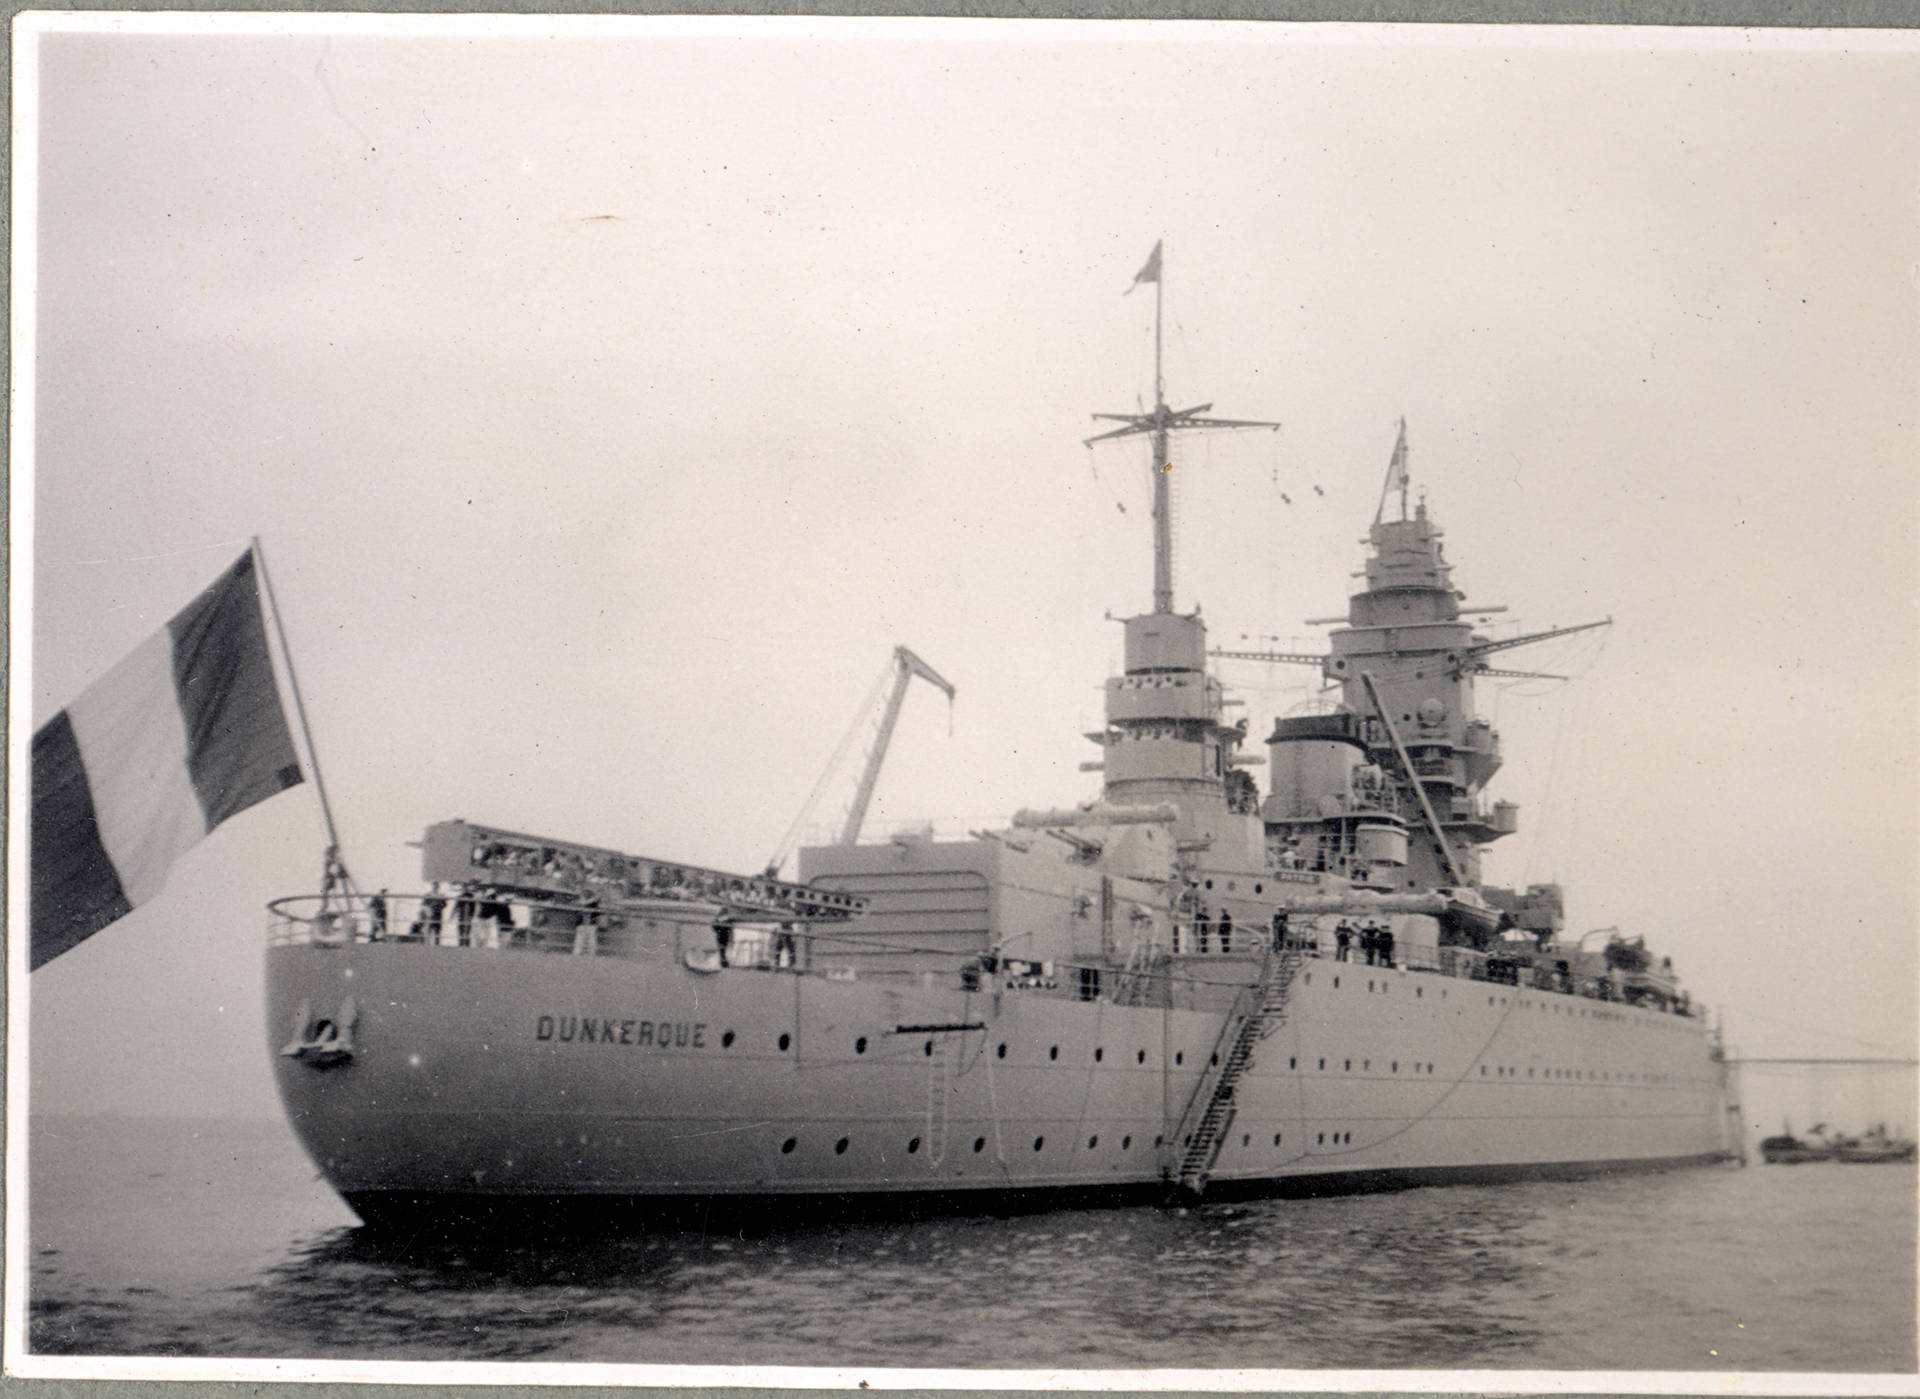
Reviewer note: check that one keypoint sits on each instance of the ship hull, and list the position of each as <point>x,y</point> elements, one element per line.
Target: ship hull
<point>487,1080</point>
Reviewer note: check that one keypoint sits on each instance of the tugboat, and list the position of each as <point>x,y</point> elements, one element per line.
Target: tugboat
<point>1788,1150</point>
<point>1178,987</point>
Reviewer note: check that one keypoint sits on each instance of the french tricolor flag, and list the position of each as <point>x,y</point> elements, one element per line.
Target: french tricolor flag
<point>183,733</point>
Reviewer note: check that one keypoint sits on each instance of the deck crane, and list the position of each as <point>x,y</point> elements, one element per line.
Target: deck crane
<point>902,666</point>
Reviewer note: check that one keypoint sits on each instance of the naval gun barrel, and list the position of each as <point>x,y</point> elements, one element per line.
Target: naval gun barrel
<point>1032,818</point>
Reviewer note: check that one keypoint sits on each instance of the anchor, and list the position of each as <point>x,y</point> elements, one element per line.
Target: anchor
<point>324,1042</point>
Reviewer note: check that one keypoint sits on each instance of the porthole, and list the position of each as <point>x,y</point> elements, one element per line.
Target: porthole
<point>1001,1052</point>
<point>840,1147</point>
<point>860,1045</point>
<point>1039,1142</point>
<point>1053,1052</point>
<point>1256,888</point>
<point>1291,1062</point>
<point>1098,1055</point>
<point>1319,1138</point>
<point>1349,1139</point>
<point>927,1049</point>
<point>1140,1056</point>
<point>1276,1139</point>
<point>913,1146</point>
<point>726,1040</point>
<point>785,1040</point>
<point>979,1145</point>
<point>1179,1056</point>
<point>787,1146</point>
<point>1209,883</point>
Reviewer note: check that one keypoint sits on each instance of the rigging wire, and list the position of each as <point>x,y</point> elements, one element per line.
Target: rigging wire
<point>861,718</point>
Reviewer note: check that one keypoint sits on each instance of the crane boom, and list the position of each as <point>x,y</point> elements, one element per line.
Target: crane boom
<point>906,665</point>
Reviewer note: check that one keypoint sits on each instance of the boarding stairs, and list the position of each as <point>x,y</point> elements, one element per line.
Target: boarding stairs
<point>1257,1012</point>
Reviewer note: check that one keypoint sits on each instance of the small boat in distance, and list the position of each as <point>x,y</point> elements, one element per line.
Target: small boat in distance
<point>1875,1147</point>
<point>1788,1150</point>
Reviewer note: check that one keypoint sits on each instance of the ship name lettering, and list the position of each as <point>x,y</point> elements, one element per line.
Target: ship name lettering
<point>645,1034</point>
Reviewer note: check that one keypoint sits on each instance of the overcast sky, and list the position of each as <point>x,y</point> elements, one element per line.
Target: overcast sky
<point>610,403</point>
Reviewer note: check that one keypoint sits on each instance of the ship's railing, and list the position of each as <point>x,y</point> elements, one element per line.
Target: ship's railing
<point>689,932</point>
<point>1460,963</point>
<point>498,921</point>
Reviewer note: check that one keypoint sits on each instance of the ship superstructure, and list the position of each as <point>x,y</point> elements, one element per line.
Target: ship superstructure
<point>1179,985</point>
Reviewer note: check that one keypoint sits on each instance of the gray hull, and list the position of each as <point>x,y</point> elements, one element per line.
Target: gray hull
<point>526,1076</point>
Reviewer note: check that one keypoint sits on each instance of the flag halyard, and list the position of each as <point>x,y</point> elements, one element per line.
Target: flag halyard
<point>183,733</point>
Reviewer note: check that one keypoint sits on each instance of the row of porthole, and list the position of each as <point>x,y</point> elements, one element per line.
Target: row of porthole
<point>1585,1075</point>
<point>1366,1065</point>
<point>1585,1012</point>
<point>979,1144</point>
<point>788,1146</point>
<point>1419,992</point>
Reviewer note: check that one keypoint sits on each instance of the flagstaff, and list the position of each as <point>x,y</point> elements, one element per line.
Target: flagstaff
<point>335,872</point>
<point>1160,425</point>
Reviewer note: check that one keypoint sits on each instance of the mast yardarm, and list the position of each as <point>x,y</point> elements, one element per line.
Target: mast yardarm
<point>1160,424</point>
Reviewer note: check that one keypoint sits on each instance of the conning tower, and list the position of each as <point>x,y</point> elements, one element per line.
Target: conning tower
<point>1405,632</point>
<point>1405,662</point>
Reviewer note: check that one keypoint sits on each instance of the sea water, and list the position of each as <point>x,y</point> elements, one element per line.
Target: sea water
<point>216,1238</point>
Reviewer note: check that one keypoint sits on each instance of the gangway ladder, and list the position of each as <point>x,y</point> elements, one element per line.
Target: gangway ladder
<point>1211,1110</point>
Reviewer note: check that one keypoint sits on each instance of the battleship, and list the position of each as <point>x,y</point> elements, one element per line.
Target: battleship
<point>1181,988</point>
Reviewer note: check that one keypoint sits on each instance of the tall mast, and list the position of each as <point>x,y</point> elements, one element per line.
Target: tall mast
<point>1160,425</point>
